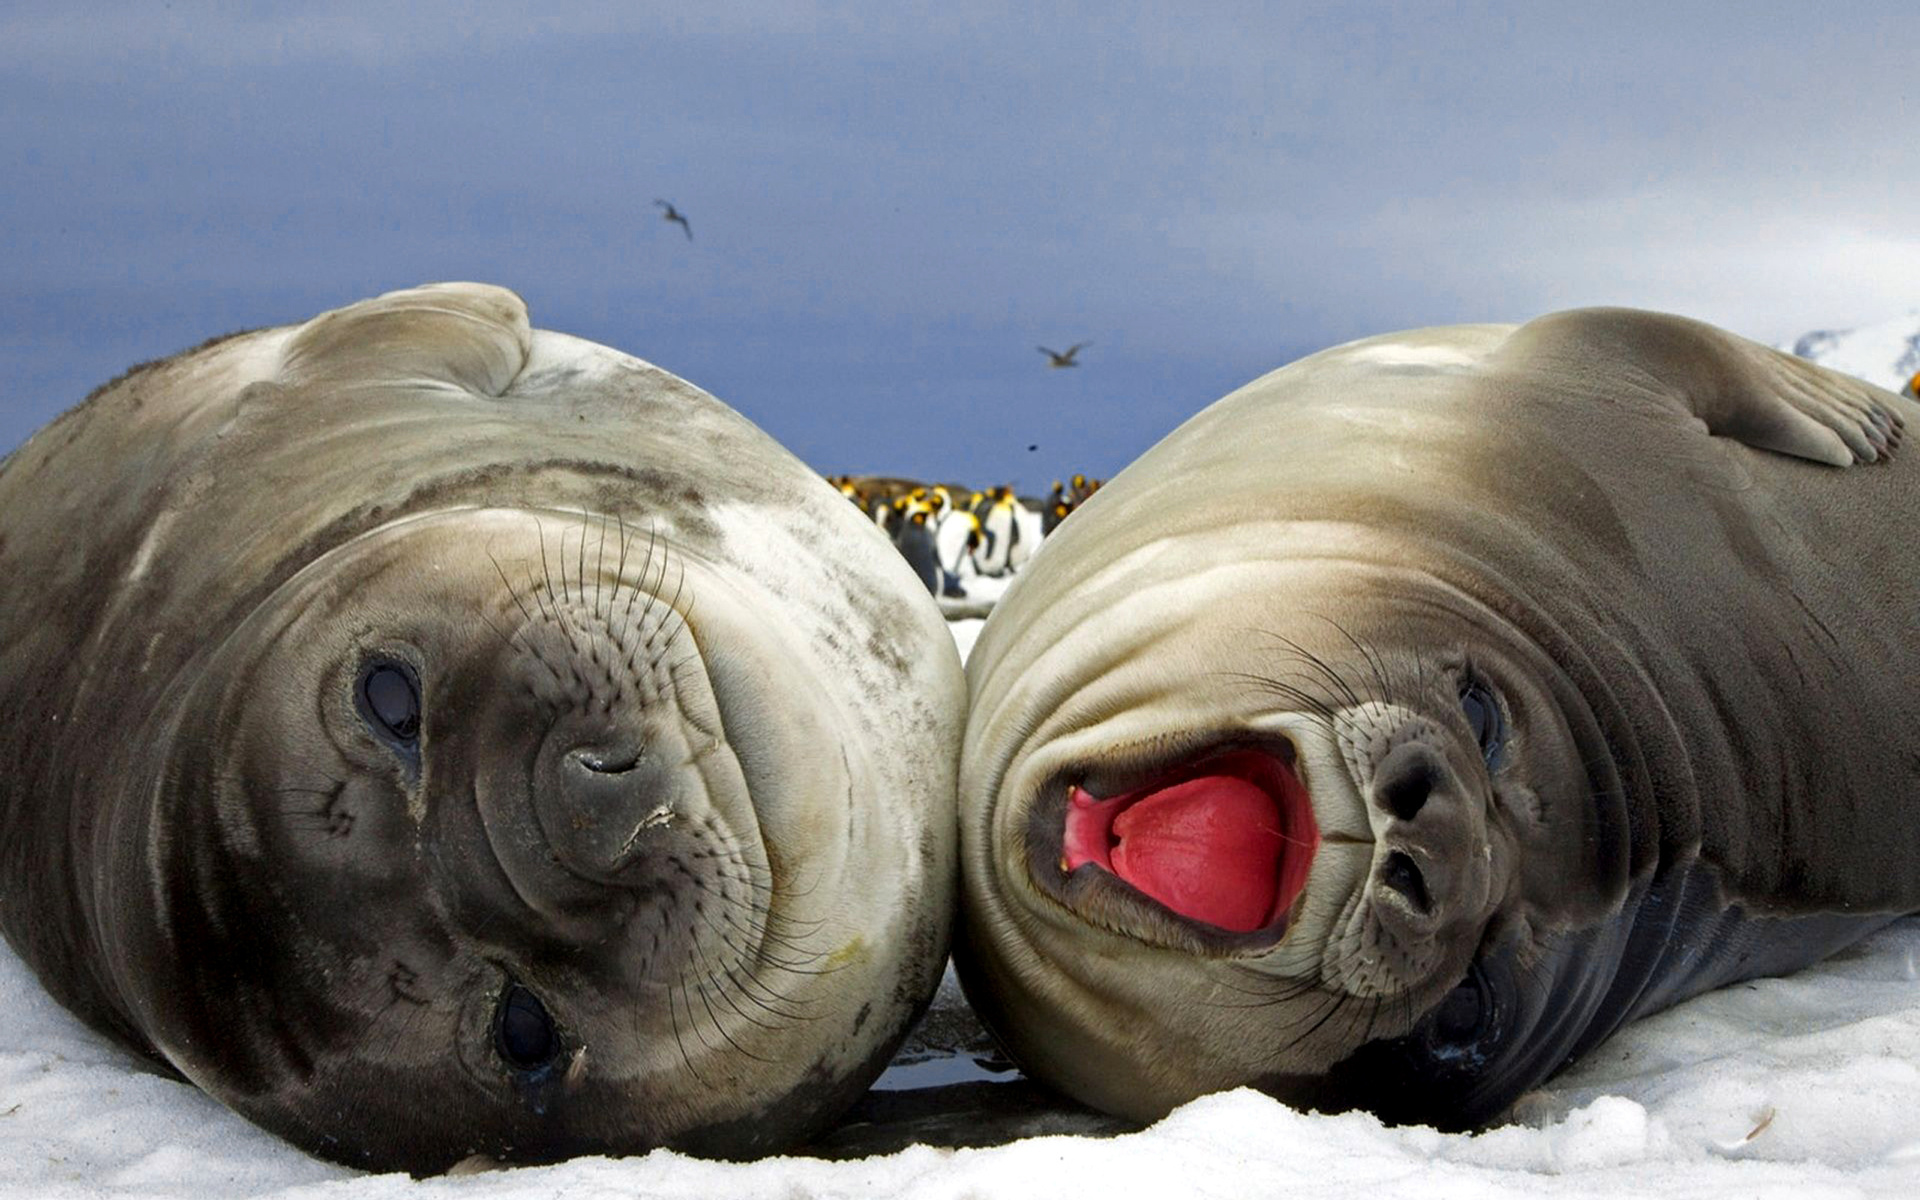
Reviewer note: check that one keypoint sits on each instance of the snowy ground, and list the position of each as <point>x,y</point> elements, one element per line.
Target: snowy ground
<point>1801,1088</point>
<point>1886,353</point>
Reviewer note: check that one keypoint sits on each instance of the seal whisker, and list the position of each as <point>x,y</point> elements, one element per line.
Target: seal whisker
<point>339,823</point>
<point>539,599</point>
<point>718,1024</point>
<point>1341,688</point>
<point>1339,1008</point>
<point>1312,699</point>
<point>795,968</point>
<point>505,638</point>
<point>1382,675</point>
<point>580,581</point>
<point>599,564</point>
<point>1373,1014</point>
<point>772,997</point>
<point>563,595</point>
<point>794,890</point>
<point>752,980</point>
<point>586,523</point>
<point>546,597</point>
<point>769,940</point>
<point>619,576</point>
<point>673,610</point>
<point>1331,673</point>
<point>1267,997</point>
<point>512,593</point>
<point>713,1019</point>
<point>1314,1018</point>
<point>693,1018</point>
<point>765,909</point>
<point>1314,704</point>
<point>400,1015</point>
<point>632,586</point>
<point>772,930</point>
<point>771,936</point>
<point>660,637</point>
<point>714,977</point>
<point>1367,655</point>
<point>679,1040</point>
<point>654,560</point>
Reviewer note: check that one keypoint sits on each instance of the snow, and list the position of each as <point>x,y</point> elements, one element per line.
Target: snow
<point>1799,1088</point>
<point>1805,1087</point>
<point>1885,354</point>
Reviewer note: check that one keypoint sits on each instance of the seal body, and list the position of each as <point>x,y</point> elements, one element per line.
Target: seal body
<point>437,737</point>
<point>1408,720</point>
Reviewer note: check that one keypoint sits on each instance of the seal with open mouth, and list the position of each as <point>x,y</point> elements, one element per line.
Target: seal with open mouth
<point>438,737</point>
<point>1407,721</point>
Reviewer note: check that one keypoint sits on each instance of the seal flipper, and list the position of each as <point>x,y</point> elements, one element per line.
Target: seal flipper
<point>1738,389</point>
<point>421,355</point>
<point>472,336</point>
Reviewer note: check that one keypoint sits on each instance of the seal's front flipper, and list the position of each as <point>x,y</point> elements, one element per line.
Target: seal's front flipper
<point>1738,389</point>
<point>470,336</point>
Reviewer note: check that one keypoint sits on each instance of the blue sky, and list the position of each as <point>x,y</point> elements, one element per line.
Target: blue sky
<point>894,204</point>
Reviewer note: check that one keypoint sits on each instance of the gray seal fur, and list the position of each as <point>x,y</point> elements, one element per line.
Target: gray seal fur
<point>1591,643</point>
<point>660,854</point>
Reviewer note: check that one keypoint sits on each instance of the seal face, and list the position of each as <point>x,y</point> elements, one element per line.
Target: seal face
<point>436,737</point>
<point>1408,720</point>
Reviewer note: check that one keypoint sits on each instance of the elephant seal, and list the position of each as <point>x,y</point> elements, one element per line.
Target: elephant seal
<point>436,737</point>
<point>1408,720</point>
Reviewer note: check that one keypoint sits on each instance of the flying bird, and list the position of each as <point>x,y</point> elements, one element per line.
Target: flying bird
<point>673,214</point>
<point>1057,359</point>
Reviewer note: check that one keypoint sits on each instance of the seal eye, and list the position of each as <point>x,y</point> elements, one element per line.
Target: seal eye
<point>1489,726</point>
<point>390,702</point>
<point>523,1032</point>
<point>1464,1018</point>
<point>1460,1015</point>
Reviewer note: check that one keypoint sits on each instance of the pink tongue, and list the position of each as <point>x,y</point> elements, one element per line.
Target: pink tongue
<point>1208,849</point>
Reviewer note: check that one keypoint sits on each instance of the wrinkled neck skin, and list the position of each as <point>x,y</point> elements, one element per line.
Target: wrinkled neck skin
<point>1182,645</point>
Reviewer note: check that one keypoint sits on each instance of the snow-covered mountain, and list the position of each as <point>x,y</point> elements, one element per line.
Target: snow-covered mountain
<point>1886,354</point>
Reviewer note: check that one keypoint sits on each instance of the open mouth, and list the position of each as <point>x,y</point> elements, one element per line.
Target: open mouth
<point>1225,841</point>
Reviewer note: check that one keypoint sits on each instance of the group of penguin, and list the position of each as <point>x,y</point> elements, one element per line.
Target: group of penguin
<point>947,532</point>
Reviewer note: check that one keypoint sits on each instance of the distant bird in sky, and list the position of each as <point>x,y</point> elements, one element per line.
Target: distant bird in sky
<point>673,214</point>
<point>1057,359</point>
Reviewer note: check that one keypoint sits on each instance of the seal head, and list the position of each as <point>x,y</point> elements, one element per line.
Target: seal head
<point>1462,716</point>
<point>450,738</point>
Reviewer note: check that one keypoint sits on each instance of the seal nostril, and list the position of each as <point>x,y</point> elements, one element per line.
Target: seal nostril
<point>1403,876</point>
<point>1406,794</point>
